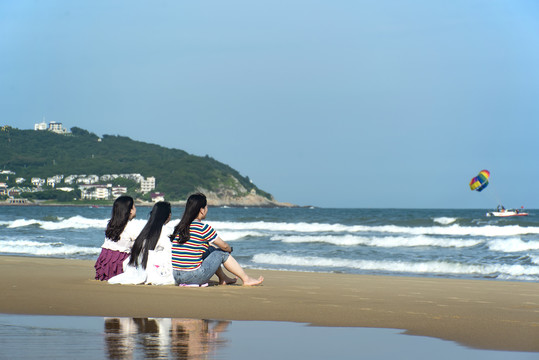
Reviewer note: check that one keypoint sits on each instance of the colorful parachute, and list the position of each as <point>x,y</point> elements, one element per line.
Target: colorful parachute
<point>480,182</point>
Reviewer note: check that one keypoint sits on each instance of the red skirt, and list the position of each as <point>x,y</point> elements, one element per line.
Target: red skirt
<point>109,264</point>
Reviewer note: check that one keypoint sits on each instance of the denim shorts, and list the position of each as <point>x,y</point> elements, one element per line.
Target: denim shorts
<point>214,259</point>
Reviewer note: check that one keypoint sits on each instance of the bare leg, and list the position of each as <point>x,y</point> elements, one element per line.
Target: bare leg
<point>232,265</point>
<point>223,278</point>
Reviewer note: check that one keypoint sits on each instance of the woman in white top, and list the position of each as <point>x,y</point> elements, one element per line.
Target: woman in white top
<point>120,236</point>
<point>149,262</point>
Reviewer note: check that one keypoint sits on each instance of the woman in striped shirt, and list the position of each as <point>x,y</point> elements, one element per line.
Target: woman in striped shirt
<point>198,252</point>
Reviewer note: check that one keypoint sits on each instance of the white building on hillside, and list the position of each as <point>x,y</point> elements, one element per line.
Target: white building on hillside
<point>57,127</point>
<point>107,177</point>
<point>135,177</point>
<point>118,191</point>
<point>93,178</point>
<point>56,179</point>
<point>41,126</point>
<point>94,192</point>
<point>51,182</point>
<point>102,192</point>
<point>53,126</point>
<point>37,181</point>
<point>90,179</point>
<point>147,185</point>
<point>70,179</point>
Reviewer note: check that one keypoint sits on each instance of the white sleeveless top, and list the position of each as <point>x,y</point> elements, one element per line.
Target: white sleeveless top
<point>126,241</point>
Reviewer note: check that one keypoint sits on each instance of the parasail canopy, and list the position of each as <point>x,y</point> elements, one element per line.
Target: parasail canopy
<point>480,182</point>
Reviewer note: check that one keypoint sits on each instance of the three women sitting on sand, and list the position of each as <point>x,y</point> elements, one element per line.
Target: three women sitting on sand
<point>192,255</point>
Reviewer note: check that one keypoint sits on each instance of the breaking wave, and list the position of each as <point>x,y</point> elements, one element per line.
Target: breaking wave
<point>444,220</point>
<point>257,227</point>
<point>389,241</point>
<point>425,267</point>
<point>453,230</point>
<point>45,248</point>
<point>512,245</point>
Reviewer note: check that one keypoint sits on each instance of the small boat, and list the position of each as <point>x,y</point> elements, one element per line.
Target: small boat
<point>501,212</point>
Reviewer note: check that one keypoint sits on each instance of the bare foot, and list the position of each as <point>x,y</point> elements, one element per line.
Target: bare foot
<point>252,281</point>
<point>227,281</point>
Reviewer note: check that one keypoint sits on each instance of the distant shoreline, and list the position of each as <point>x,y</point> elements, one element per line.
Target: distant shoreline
<point>145,204</point>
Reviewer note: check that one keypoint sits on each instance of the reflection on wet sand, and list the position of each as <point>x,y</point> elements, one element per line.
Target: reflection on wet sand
<point>154,338</point>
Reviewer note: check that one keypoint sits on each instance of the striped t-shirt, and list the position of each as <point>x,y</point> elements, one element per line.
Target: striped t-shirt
<point>188,256</point>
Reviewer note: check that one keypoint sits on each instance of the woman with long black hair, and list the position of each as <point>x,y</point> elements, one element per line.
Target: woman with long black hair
<point>119,238</point>
<point>149,262</point>
<point>193,259</point>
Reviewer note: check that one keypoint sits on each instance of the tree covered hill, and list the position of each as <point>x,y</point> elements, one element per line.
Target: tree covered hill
<point>44,154</point>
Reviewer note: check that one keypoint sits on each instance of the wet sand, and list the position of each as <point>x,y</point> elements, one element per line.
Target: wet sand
<point>481,314</point>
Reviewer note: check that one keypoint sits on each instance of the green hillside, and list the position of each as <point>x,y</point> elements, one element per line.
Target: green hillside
<point>43,154</point>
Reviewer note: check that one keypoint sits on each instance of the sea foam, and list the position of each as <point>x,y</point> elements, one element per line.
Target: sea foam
<point>426,267</point>
<point>512,245</point>
<point>444,220</point>
<point>74,222</point>
<point>452,230</point>
<point>44,249</point>
<point>258,227</point>
<point>229,235</point>
<point>387,241</point>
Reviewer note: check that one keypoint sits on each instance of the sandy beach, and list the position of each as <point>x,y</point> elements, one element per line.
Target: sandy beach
<point>480,314</point>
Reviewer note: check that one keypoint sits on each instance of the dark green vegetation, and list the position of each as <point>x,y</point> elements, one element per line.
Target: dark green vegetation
<point>56,195</point>
<point>44,154</point>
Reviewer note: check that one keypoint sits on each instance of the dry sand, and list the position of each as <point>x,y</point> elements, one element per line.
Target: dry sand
<point>481,314</point>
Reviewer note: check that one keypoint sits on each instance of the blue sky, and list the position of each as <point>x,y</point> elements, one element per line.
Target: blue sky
<point>385,103</point>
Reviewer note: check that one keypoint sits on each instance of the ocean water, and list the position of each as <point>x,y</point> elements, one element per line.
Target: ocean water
<point>412,242</point>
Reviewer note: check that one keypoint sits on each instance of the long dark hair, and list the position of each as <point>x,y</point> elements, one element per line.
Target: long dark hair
<point>149,236</point>
<point>119,218</point>
<point>194,203</point>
